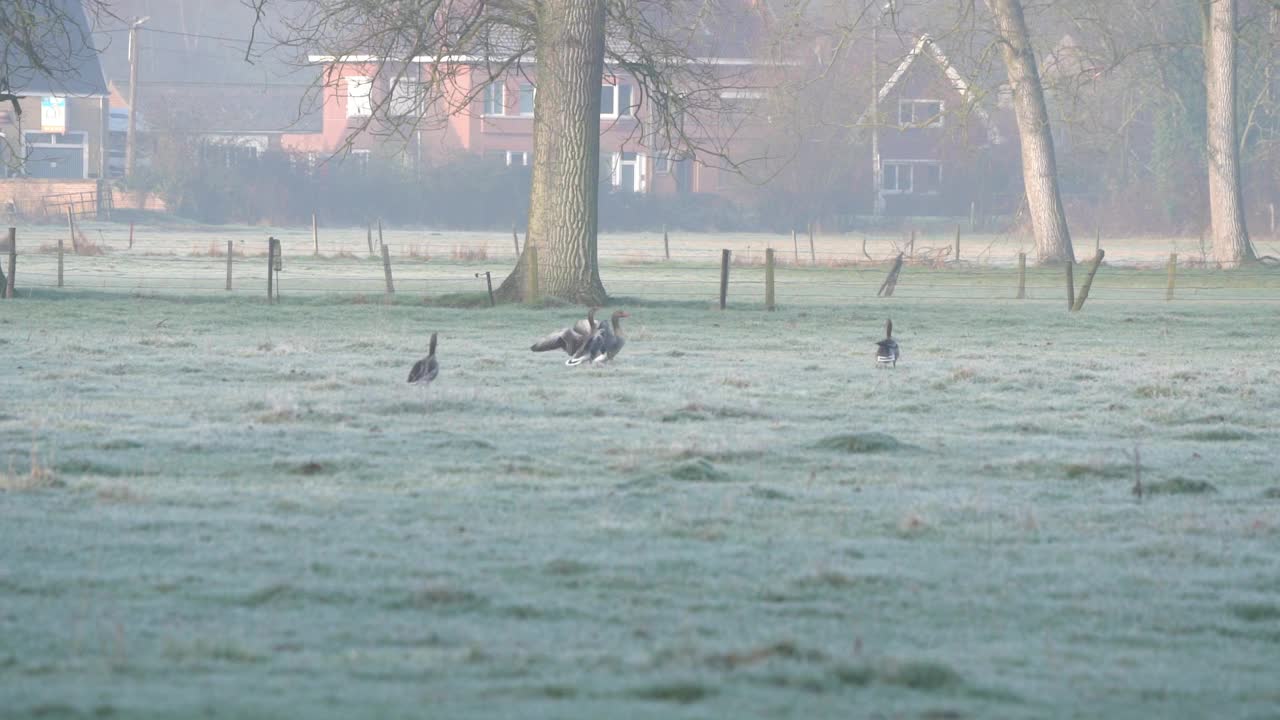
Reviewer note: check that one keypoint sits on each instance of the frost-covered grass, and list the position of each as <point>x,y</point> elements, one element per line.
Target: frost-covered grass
<point>211,505</point>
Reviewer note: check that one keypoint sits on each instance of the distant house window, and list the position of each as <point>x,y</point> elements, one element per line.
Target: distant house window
<point>517,158</point>
<point>662,163</point>
<point>406,97</point>
<point>920,113</point>
<point>910,178</point>
<point>608,100</point>
<point>626,172</point>
<point>360,162</point>
<point>615,101</point>
<point>527,93</point>
<point>495,99</point>
<point>359,101</point>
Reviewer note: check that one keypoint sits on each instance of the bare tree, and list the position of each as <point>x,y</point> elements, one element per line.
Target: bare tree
<point>1039,166</point>
<point>565,47</point>
<point>1231,245</point>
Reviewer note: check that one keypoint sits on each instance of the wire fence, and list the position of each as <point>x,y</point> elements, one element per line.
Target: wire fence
<point>158,261</point>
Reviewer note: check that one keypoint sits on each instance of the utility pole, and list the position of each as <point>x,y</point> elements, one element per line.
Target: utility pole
<point>131,140</point>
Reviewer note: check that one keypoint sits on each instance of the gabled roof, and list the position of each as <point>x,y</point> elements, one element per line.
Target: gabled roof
<point>66,62</point>
<point>926,47</point>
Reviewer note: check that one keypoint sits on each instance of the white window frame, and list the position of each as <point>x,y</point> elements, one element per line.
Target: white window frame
<point>494,92</point>
<point>916,122</point>
<point>359,96</point>
<point>910,165</point>
<point>616,162</point>
<point>361,159</point>
<point>619,111</point>
<point>518,158</point>
<point>533,99</point>
<point>406,97</point>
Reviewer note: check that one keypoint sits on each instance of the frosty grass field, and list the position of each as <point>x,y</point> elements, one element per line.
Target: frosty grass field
<point>212,507</point>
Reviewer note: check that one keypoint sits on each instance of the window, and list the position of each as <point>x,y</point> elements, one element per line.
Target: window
<point>608,96</point>
<point>920,113</point>
<point>625,172</point>
<point>661,163</point>
<point>624,101</point>
<point>495,99</point>
<point>360,162</point>
<point>615,101</point>
<point>406,97</point>
<point>527,94</point>
<point>359,103</point>
<point>911,177</point>
<point>509,158</point>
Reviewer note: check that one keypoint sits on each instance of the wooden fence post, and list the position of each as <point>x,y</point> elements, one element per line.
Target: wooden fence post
<point>488,280</point>
<point>71,230</point>
<point>813,256</point>
<point>1097,239</point>
<point>1173,269</point>
<point>911,249</point>
<point>271,270</point>
<point>1088,280</point>
<point>59,262</point>
<point>386,270</point>
<point>230,252</point>
<point>973,216</point>
<point>795,244</point>
<point>515,239</point>
<point>724,276</point>
<point>9,282</point>
<point>1071,285</point>
<point>130,234</point>
<point>380,243</point>
<point>1022,276</point>
<point>531,284</point>
<point>957,241</point>
<point>4,282</point>
<point>891,281</point>
<point>666,243</point>
<point>315,235</point>
<point>768,280</point>
<point>368,235</point>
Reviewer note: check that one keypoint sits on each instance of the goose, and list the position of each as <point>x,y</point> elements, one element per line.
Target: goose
<point>887,349</point>
<point>426,369</point>
<point>604,343</point>
<point>570,339</point>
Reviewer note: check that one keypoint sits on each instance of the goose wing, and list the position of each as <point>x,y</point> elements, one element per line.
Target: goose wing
<point>556,341</point>
<point>425,370</point>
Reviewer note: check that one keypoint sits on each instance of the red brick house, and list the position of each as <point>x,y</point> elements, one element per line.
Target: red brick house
<point>938,149</point>
<point>495,119</point>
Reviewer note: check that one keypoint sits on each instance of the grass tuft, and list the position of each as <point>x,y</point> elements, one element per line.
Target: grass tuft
<point>862,443</point>
<point>698,470</point>
<point>683,693</point>
<point>1181,486</point>
<point>1256,612</point>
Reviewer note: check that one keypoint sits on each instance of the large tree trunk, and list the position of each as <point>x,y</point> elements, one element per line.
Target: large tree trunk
<point>1231,245</point>
<point>563,203</point>
<point>1039,167</point>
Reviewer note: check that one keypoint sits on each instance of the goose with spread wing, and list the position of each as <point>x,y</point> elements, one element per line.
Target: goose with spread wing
<point>570,339</point>
<point>887,352</point>
<point>604,343</point>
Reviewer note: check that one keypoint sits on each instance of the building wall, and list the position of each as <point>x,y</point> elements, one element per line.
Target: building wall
<point>971,170</point>
<point>82,115</point>
<point>506,137</point>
